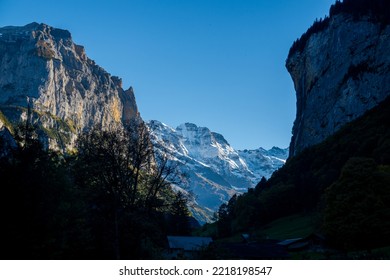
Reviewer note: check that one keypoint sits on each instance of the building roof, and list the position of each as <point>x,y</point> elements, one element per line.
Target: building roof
<point>288,242</point>
<point>188,243</point>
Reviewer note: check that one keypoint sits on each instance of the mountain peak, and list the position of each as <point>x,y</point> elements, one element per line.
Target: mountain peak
<point>188,125</point>
<point>194,132</point>
<point>191,127</point>
<point>215,170</point>
<point>34,25</point>
<point>20,32</point>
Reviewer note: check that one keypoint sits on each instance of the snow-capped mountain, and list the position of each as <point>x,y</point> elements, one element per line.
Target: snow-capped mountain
<point>214,171</point>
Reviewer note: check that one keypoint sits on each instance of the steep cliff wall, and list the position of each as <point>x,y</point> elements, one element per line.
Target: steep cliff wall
<point>339,71</point>
<point>66,90</point>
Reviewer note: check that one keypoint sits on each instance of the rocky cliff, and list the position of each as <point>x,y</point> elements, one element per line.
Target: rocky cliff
<point>42,68</point>
<point>340,69</point>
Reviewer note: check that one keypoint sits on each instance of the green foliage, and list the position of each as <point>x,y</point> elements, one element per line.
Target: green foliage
<point>226,213</point>
<point>357,214</point>
<point>294,226</point>
<point>299,186</point>
<point>207,230</point>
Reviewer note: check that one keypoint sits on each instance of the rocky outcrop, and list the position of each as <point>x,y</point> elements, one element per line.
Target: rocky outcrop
<point>41,67</point>
<point>339,73</point>
<point>7,142</point>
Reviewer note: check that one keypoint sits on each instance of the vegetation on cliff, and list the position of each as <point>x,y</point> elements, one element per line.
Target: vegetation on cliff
<point>376,10</point>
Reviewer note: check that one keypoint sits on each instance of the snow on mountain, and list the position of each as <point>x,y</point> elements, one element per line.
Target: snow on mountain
<point>264,162</point>
<point>214,171</point>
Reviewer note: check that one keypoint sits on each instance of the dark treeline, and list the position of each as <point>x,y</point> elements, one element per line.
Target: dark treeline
<point>109,200</point>
<point>377,10</point>
<point>344,181</point>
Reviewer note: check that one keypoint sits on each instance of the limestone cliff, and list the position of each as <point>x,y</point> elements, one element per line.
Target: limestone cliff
<point>340,69</point>
<point>67,92</point>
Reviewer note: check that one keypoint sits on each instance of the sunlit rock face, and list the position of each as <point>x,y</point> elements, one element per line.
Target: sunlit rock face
<point>42,68</point>
<point>343,71</point>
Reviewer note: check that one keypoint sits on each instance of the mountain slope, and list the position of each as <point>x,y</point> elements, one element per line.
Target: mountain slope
<point>343,182</point>
<point>338,172</point>
<point>213,170</point>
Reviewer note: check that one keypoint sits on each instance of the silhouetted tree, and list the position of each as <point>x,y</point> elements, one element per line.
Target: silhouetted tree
<point>126,181</point>
<point>40,207</point>
<point>180,215</point>
<point>110,163</point>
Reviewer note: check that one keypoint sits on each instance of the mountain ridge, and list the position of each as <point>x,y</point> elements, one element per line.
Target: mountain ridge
<point>214,169</point>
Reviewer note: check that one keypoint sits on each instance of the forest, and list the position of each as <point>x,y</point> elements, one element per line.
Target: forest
<point>343,183</point>
<point>109,200</point>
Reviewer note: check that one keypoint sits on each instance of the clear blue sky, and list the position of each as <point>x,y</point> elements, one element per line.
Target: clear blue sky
<point>216,63</point>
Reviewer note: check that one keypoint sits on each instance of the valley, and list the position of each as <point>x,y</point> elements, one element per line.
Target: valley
<point>83,176</point>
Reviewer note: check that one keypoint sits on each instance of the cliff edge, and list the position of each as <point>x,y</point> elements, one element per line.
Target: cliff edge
<point>340,69</point>
<point>42,69</point>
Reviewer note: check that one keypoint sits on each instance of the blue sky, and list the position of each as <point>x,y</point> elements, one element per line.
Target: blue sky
<point>216,63</point>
